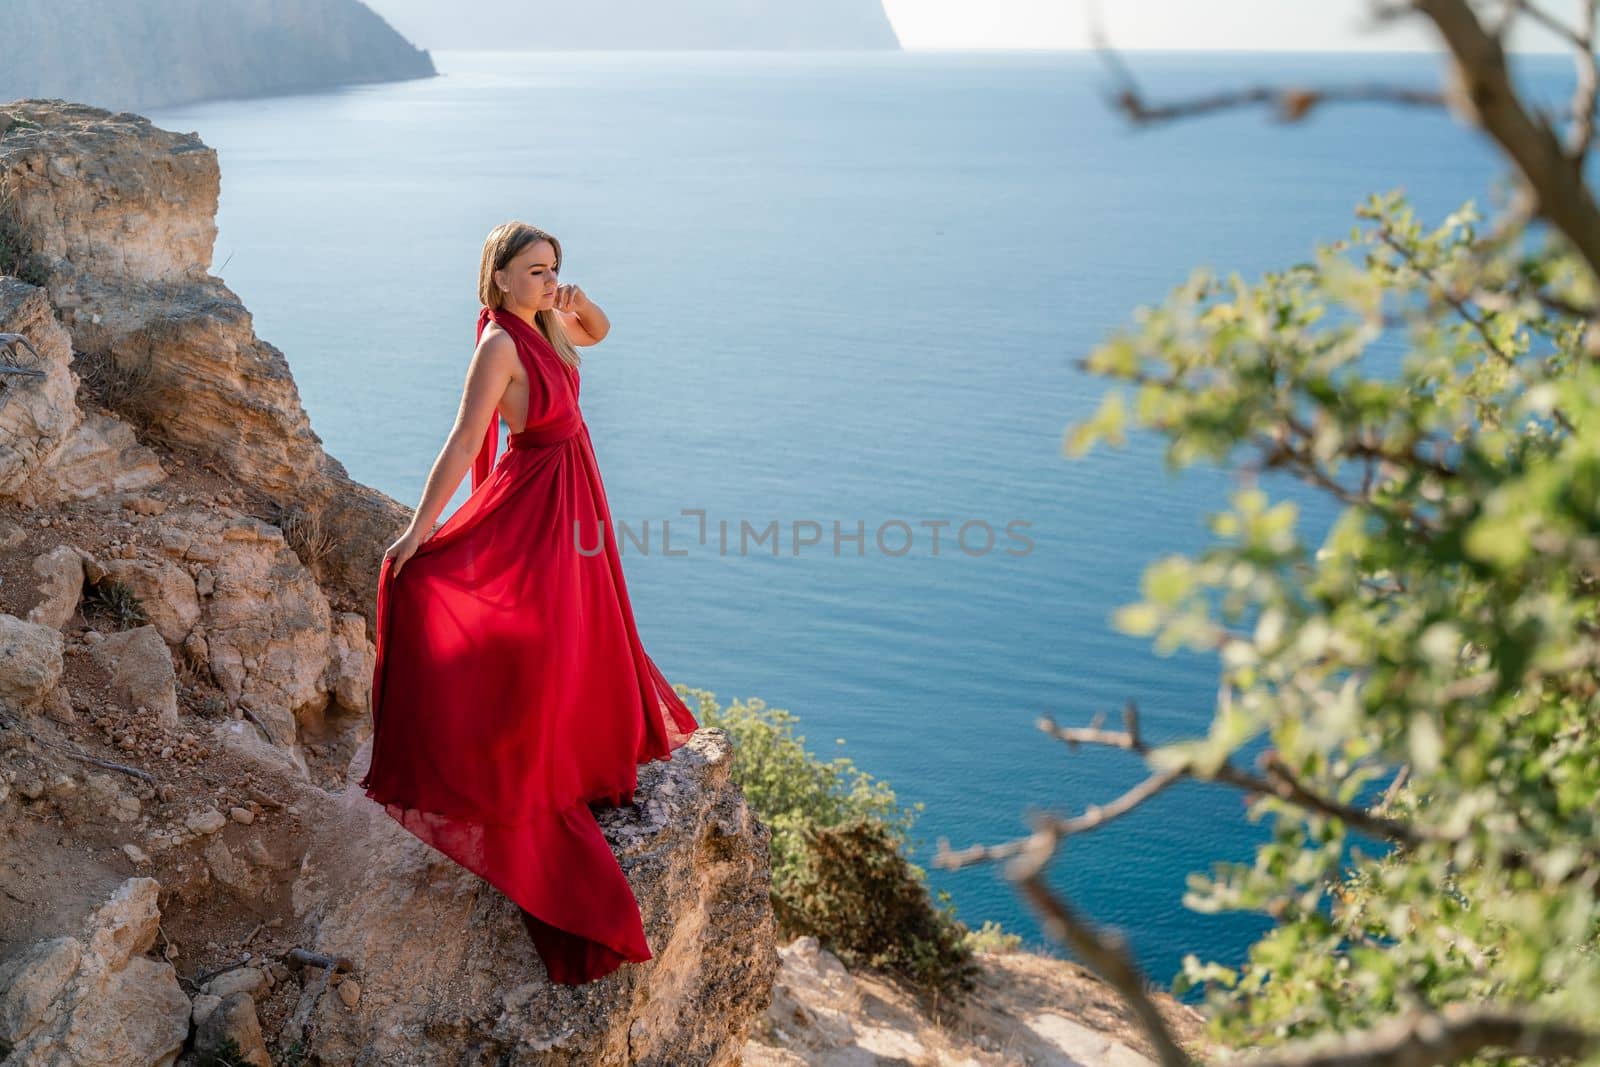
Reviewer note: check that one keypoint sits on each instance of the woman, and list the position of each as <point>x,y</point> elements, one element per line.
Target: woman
<point>511,689</point>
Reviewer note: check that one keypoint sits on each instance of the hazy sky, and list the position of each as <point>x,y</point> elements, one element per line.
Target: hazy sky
<point>1317,25</point>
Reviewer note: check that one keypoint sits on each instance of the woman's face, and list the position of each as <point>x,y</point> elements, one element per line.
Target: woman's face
<point>529,279</point>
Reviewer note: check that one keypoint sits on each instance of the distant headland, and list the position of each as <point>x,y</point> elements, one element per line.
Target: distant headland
<point>641,25</point>
<point>138,57</point>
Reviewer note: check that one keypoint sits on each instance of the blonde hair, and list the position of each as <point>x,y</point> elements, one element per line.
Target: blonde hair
<point>502,245</point>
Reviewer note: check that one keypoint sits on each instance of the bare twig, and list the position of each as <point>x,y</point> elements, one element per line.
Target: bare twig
<point>1092,818</point>
<point>1581,134</point>
<point>1451,1035</point>
<point>81,757</point>
<point>302,957</point>
<point>252,717</point>
<point>120,768</point>
<point>1545,19</point>
<point>1279,781</point>
<point>1291,103</point>
<point>1395,786</point>
<point>1106,953</point>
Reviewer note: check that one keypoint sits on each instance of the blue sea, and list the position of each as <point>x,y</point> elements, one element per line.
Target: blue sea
<point>847,292</point>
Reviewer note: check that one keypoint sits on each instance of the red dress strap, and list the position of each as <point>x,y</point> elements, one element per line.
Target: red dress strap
<point>483,462</point>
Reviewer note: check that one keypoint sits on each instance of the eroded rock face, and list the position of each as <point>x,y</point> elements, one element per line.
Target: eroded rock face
<point>145,301</point>
<point>445,968</point>
<point>267,627</point>
<point>95,998</point>
<point>50,449</point>
<point>38,416</point>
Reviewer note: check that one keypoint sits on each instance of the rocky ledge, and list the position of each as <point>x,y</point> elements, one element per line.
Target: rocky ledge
<point>186,591</point>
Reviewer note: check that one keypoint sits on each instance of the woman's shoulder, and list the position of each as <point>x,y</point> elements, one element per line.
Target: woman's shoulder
<point>495,338</point>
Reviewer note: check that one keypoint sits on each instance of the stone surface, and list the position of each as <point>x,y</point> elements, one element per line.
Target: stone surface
<point>1025,1008</point>
<point>102,456</point>
<point>119,218</point>
<point>30,662</point>
<point>38,416</point>
<point>60,574</point>
<point>702,875</point>
<point>141,673</point>
<point>234,1019</point>
<point>165,591</point>
<point>96,999</point>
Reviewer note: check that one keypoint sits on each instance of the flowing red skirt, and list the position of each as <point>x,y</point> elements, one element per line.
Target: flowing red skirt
<point>511,691</point>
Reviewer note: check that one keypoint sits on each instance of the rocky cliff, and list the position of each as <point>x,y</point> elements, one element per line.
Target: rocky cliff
<point>645,24</point>
<point>186,580</point>
<point>131,54</point>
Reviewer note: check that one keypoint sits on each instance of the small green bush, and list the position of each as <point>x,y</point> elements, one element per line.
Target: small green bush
<point>226,1054</point>
<point>991,937</point>
<point>839,848</point>
<point>857,894</point>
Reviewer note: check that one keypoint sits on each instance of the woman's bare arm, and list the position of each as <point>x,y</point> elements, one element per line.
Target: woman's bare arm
<point>487,378</point>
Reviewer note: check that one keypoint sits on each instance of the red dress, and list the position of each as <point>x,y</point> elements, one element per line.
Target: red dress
<point>511,689</point>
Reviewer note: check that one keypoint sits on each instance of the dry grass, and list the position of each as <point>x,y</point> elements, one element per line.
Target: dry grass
<point>115,602</point>
<point>304,531</point>
<point>127,386</point>
<point>16,258</point>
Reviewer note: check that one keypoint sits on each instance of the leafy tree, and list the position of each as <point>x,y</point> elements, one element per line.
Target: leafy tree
<point>1425,674</point>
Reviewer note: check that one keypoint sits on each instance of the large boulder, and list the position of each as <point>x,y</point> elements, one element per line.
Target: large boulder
<point>447,974</point>
<point>60,574</point>
<point>38,413</point>
<point>96,999</point>
<point>30,663</point>
<point>140,668</point>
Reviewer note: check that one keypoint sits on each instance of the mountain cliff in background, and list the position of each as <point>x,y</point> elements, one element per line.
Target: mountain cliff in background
<point>137,54</point>
<point>643,24</point>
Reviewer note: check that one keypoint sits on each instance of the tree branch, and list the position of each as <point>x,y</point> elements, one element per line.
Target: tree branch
<point>1107,954</point>
<point>1456,1033</point>
<point>1485,96</point>
<point>1461,306</point>
<point>1279,781</point>
<point>1451,1035</point>
<point>1291,103</point>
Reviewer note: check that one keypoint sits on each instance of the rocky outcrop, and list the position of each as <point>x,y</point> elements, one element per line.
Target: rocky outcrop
<point>185,666</point>
<point>471,991</point>
<point>646,24</point>
<point>140,56</point>
<point>95,999</point>
<point>115,219</point>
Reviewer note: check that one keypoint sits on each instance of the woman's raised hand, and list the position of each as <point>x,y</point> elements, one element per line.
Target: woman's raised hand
<point>570,298</point>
